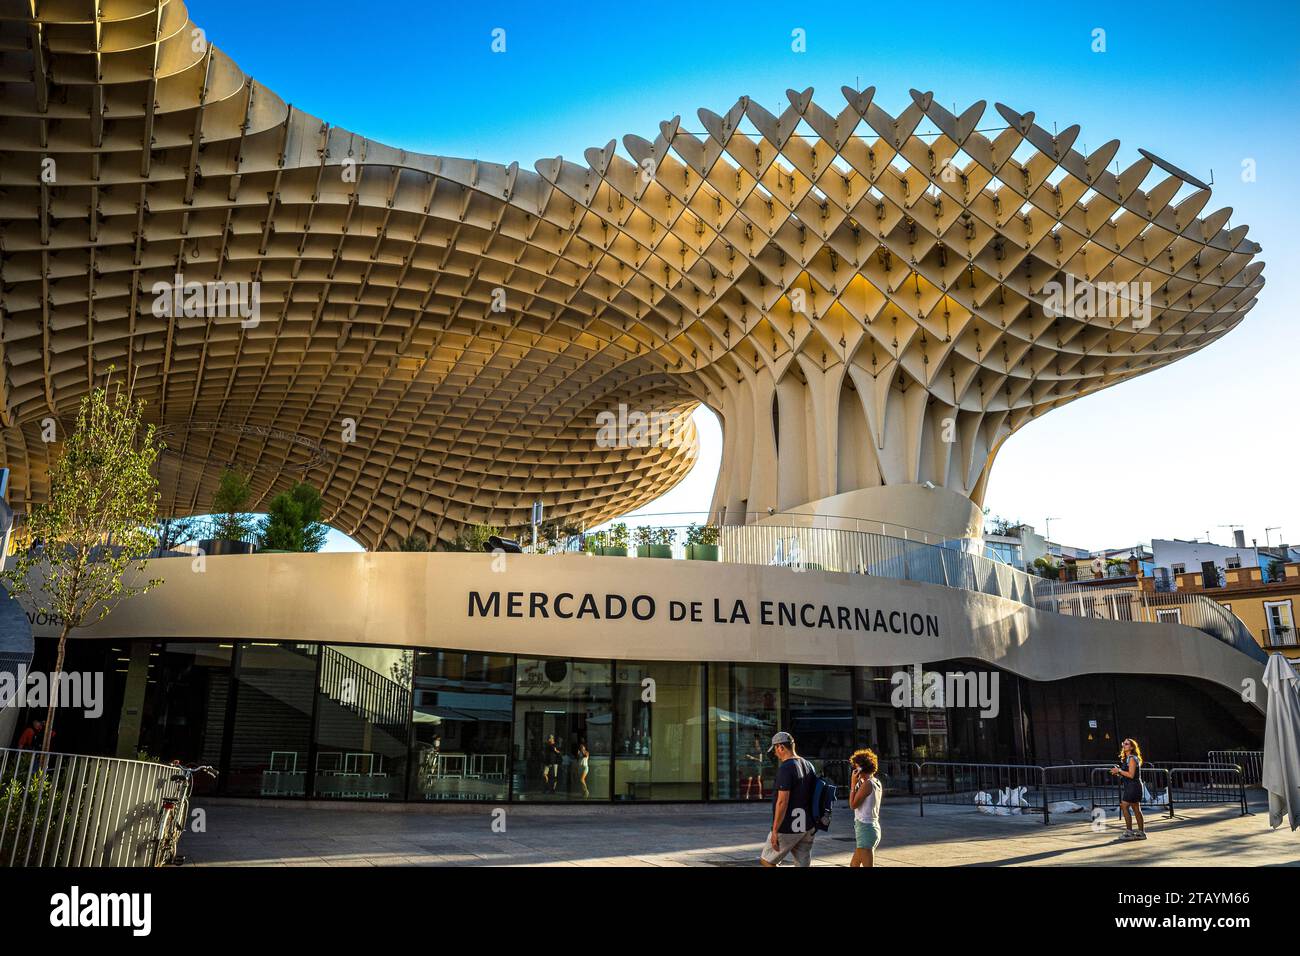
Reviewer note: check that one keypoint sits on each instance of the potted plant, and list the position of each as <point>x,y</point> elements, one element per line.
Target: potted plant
<point>701,542</point>
<point>594,543</point>
<point>615,545</point>
<point>231,526</point>
<point>655,542</point>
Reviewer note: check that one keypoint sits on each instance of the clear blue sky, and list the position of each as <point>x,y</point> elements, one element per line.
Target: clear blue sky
<point>1210,441</point>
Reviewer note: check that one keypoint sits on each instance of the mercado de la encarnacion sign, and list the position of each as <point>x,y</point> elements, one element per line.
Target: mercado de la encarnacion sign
<point>565,605</point>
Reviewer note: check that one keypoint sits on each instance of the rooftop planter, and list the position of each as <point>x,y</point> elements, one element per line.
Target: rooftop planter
<point>610,543</point>
<point>701,542</point>
<point>655,542</point>
<point>213,547</point>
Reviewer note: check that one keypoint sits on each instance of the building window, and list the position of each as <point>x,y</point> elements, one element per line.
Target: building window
<point>744,710</point>
<point>184,716</point>
<point>1281,623</point>
<point>363,720</point>
<point>659,733</point>
<point>271,738</point>
<point>461,726</point>
<point>821,718</point>
<point>1179,569</point>
<point>563,729</point>
<point>1170,616</point>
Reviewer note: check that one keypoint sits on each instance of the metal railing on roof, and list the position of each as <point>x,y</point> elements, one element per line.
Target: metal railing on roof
<point>956,563</point>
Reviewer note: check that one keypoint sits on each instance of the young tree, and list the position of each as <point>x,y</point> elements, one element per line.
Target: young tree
<point>293,521</point>
<point>229,522</point>
<point>96,525</point>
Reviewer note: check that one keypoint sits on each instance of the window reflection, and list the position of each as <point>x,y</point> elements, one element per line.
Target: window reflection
<point>563,729</point>
<point>659,733</point>
<point>185,705</point>
<point>364,709</point>
<point>744,707</point>
<point>273,715</point>
<point>461,726</point>
<point>821,718</point>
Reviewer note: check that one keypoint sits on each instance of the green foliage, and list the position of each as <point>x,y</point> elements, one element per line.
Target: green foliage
<point>97,523</point>
<point>595,541</point>
<point>618,535</point>
<point>705,534</point>
<point>293,522</point>
<point>646,535</point>
<point>415,541</point>
<point>473,538</point>
<point>1045,569</point>
<point>32,801</point>
<point>229,522</point>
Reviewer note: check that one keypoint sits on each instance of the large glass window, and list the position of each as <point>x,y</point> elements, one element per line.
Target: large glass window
<point>744,708</point>
<point>821,718</point>
<point>462,726</point>
<point>185,705</point>
<point>563,729</point>
<point>658,731</point>
<point>363,701</point>
<point>273,711</point>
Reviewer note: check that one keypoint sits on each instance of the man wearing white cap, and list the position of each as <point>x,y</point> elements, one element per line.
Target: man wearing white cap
<point>792,815</point>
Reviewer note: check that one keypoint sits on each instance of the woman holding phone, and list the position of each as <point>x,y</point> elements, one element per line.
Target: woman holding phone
<point>864,798</point>
<point>1130,788</point>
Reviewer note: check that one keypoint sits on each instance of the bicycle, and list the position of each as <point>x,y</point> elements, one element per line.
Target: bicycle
<point>173,814</point>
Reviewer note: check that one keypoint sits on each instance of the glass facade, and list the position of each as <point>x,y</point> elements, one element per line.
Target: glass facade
<point>269,750</point>
<point>363,720</point>
<point>334,721</point>
<point>821,718</point>
<point>461,725</point>
<point>185,708</point>
<point>744,713</point>
<point>659,731</point>
<point>563,734</point>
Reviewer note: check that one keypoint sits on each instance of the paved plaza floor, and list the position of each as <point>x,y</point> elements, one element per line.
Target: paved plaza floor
<point>267,834</point>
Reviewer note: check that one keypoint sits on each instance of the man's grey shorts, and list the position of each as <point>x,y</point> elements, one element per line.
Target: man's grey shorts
<point>796,845</point>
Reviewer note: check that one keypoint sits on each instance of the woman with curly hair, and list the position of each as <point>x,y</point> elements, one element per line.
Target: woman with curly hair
<point>1130,788</point>
<point>864,798</point>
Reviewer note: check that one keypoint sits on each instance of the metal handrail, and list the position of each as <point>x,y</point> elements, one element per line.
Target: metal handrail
<point>75,810</point>
<point>956,563</point>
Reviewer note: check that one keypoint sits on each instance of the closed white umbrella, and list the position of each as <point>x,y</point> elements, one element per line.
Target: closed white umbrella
<point>1282,741</point>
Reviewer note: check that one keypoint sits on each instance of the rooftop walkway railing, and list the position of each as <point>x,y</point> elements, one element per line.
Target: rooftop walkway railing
<point>955,563</point>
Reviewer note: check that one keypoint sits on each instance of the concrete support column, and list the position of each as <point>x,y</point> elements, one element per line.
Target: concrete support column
<point>137,678</point>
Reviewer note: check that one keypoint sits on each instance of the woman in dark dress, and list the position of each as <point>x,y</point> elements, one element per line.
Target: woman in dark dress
<point>1129,772</point>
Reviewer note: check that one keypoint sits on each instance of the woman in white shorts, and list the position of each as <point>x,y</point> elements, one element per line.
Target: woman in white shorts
<point>864,798</point>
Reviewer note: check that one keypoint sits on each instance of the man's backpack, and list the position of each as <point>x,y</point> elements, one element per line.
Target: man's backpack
<point>823,802</point>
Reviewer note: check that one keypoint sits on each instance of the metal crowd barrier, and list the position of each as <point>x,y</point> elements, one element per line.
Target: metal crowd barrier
<point>1088,785</point>
<point>1105,789</point>
<point>956,784</point>
<point>1251,763</point>
<point>1204,784</point>
<point>73,810</point>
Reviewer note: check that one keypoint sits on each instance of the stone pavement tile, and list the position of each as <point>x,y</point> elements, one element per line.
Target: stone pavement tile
<point>724,835</point>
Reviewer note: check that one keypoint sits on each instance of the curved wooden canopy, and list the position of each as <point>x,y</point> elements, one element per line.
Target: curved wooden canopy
<point>861,302</point>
